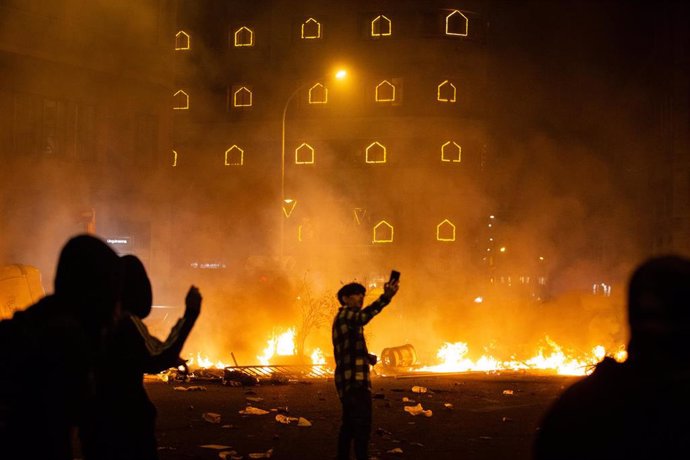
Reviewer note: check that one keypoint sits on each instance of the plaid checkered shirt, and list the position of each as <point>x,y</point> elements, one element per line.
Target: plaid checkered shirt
<point>350,348</point>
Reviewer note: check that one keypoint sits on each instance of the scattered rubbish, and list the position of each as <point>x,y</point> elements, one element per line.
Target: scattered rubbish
<point>285,420</point>
<point>506,419</point>
<point>303,422</point>
<point>397,451</point>
<point>418,409</point>
<point>485,437</point>
<point>418,389</point>
<point>448,405</point>
<point>418,444</point>
<point>408,400</point>
<point>228,426</point>
<point>211,417</point>
<point>166,448</point>
<point>229,455</point>
<point>216,446</point>
<point>266,454</point>
<point>238,378</point>
<point>191,388</point>
<point>251,410</point>
<point>254,398</point>
<point>507,392</point>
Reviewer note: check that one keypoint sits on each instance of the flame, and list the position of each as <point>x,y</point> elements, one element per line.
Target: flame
<point>453,359</point>
<point>282,345</point>
<point>204,362</point>
<point>317,357</point>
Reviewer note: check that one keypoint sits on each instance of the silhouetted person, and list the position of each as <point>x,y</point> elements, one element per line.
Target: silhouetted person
<point>47,353</point>
<point>639,408</point>
<point>352,362</point>
<point>120,421</point>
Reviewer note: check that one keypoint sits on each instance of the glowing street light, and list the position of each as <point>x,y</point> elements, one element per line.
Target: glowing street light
<point>340,74</point>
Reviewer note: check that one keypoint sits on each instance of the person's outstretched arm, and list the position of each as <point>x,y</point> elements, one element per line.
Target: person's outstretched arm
<point>164,355</point>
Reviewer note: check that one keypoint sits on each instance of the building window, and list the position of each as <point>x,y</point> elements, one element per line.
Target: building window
<point>383,232</point>
<point>376,153</point>
<point>381,26</point>
<point>446,92</point>
<point>242,96</point>
<point>311,29</point>
<point>360,214</point>
<point>445,231</point>
<point>451,152</point>
<point>304,154</point>
<point>385,92</point>
<point>244,36</point>
<point>318,94</point>
<point>181,41</point>
<point>288,206</point>
<point>234,156</point>
<point>181,100</point>
<point>457,24</point>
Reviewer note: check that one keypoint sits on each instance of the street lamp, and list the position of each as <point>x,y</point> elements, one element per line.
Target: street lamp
<point>288,204</point>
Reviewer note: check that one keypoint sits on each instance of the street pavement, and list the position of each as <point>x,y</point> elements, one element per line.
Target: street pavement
<point>473,416</point>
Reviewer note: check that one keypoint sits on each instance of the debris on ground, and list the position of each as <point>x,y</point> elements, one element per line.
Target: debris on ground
<point>266,454</point>
<point>448,405</point>
<point>408,400</point>
<point>254,399</point>
<point>418,389</point>
<point>285,420</point>
<point>506,419</point>
<point>211,417</point>
<point>191,388</point>
<point>303,422</point>
<point>507,392</point>
<point>417,410</point>
<point>237,378</point>
<point>216,446</point>
<point>396,451</point>
<point>251,410</point>
<point>229,455</point>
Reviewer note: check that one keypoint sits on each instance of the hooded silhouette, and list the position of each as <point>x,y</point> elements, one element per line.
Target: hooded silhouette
<point>49,350</point>
<point>120,421</point>
<point>637,409</point>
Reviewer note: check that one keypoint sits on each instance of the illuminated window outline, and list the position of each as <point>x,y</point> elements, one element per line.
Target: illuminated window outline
<point>300,149</point>
<point>389,85</point>
<point>450,17</point>
<point>325,94</point>
<point>237,37</point>
<point>229,152</point>
<point>383,149</point>
<point>174,163</point>
<point>359,215</point>
<point>376,22</point>
<point>244,90</point>
<point>318,29</point>
<point>186,100</point>
<point>446,99</point>
<point>448,224</point>
<point>458,150</point>
<point>182,41</point>
<point>288,206</point>
<point>376,228</point>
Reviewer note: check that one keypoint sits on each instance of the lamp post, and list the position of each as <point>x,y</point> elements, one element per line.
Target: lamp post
<point>341,74</point>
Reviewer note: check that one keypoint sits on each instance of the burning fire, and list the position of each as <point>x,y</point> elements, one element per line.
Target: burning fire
<point>282,345</point>
<point>453,359</point>
<point>205,363</point>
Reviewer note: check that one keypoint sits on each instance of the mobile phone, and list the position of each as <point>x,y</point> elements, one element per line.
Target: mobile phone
<point>395,276</point>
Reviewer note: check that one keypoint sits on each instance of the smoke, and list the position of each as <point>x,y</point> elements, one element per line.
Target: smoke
<point>551,147</point>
